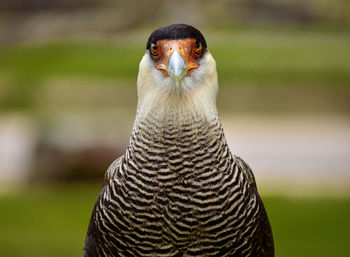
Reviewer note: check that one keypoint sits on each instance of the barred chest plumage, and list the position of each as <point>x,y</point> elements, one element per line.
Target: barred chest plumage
<point>177,192</point>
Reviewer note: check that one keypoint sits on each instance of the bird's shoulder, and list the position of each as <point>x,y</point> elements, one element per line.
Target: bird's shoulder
<point>113,169</point>
<point>94,234</point>
<point>245,170</point>
<point>263,234</point>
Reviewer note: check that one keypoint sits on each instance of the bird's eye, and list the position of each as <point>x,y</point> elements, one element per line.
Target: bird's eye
<point>154,50</point>
<point>198,47</point>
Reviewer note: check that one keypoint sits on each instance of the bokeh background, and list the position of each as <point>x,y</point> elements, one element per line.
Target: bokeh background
<point>68,96</point>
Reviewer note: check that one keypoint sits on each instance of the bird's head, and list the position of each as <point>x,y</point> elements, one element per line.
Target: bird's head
<point>177,63</point>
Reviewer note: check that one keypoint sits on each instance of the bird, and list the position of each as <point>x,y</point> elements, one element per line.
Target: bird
<point>178,190</point>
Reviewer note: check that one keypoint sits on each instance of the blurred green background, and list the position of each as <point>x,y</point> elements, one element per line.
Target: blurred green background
<point>68,96</point>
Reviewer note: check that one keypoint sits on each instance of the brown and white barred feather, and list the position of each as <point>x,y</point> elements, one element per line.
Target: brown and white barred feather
<point>178,191</point>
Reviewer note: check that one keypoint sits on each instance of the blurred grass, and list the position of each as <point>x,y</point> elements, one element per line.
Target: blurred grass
<point>46,222</point>
<point>279,57</point>
<point>79,59</point>
<point>284,57</point>
<point>53,222</point>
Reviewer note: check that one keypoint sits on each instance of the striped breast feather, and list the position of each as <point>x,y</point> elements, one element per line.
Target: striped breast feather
<point>100,240</point>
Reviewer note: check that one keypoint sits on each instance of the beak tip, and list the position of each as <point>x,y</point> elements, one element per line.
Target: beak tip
<point>176,66</point>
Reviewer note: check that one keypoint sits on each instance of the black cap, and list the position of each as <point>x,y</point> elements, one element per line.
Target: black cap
<point>176,31</point>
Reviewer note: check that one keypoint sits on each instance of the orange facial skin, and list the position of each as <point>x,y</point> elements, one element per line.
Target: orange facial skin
<point>186,48</point>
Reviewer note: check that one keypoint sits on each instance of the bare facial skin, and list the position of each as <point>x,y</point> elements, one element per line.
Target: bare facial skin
<point>164,49</point>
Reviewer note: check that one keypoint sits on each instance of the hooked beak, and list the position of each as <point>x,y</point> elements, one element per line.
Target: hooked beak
<point>176,58</point>
<point>176,67</point>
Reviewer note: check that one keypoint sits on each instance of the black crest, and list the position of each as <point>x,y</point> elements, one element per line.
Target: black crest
<point>176,31</point>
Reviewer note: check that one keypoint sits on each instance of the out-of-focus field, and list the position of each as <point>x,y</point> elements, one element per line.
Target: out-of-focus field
<point>52,222</point>
<point>310,64</point>
<point>286,56</point>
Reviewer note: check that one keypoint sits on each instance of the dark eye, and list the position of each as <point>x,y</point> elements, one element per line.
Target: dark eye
<point>154,49</point>
<point>198,47</point>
